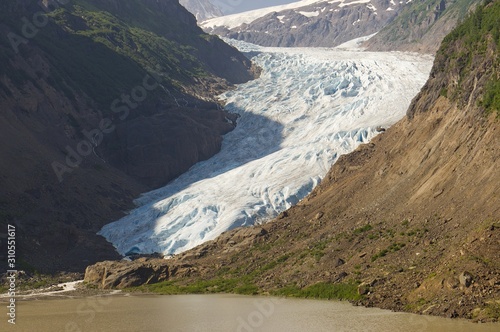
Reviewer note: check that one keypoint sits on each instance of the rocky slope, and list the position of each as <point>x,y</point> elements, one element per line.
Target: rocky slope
<point>101,100</point>
<point>201,9</point>
<point>421,26</point>
<point>408,222</point>
<point>308,23</point>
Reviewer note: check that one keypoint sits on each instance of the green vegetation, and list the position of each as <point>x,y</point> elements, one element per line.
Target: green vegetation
<point>122,52</point>
<point>200,287</point>
<point>416,306</point>
<point>413,22</point>
<point>491,98</point>
<point>489,312</point>
<point>340,291</point>
<point>244,280</point>
<point>363,229</point>
<point>492,310</point>
<point>103,51</point>
<point>317,250</point>
<point>239,281</point>
<point>417,232</point>
<point>322,290</point>
<point>474,40</point>
<point>392,248</point>
<point>263,247</point>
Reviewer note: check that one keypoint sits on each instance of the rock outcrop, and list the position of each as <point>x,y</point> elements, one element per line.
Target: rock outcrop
<point>123,274</point>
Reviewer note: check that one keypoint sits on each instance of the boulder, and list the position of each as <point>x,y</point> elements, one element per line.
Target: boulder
<point>465,279</point>
<point>123,274</point>
<point>363,288</point>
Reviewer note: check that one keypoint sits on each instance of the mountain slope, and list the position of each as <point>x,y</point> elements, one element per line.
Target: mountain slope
<point>202,9</point>
<point>408,222</point>
<point>106,99</point>
<point>307,23</point>
<point>421,26</point>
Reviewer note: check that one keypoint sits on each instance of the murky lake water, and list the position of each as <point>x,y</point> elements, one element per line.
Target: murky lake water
<point>219,313</point>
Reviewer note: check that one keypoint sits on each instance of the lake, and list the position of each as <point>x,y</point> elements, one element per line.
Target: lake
<point>219,313</point>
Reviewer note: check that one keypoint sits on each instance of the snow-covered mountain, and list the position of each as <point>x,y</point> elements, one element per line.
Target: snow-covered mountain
<point>308,107</point>
<point>202,9</point>
<point>308,22</point>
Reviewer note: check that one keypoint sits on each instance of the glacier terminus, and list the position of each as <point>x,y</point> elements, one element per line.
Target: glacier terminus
<point>309,106</point>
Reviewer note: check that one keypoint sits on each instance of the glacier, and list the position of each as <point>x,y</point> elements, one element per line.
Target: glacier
<point>309,106</point>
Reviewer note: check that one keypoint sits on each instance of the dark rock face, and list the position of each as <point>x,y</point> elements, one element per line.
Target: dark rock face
<point>167,143</point>
<point>55,94</point>
<point>322,24</point>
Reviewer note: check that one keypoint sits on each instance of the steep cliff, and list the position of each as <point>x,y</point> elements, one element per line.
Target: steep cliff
<point>408,222</point>
<point>101,100</point>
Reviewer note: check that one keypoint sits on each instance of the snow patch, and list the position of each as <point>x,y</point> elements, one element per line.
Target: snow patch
<point>355,44</point>
<point>309,14</point>
<point>356,2</point>
<point>371,7</point>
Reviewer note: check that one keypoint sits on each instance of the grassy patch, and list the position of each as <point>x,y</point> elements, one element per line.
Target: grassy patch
<point>392,248</point>
<point>492,310</point>
<point>247,289</point>
<point>416,306</point>
<point>199,287</point>
<point>489,312</point>
<point>322,290</point>
<point>363,229</point>
<point>317,250</point>
<point>417,232</point>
